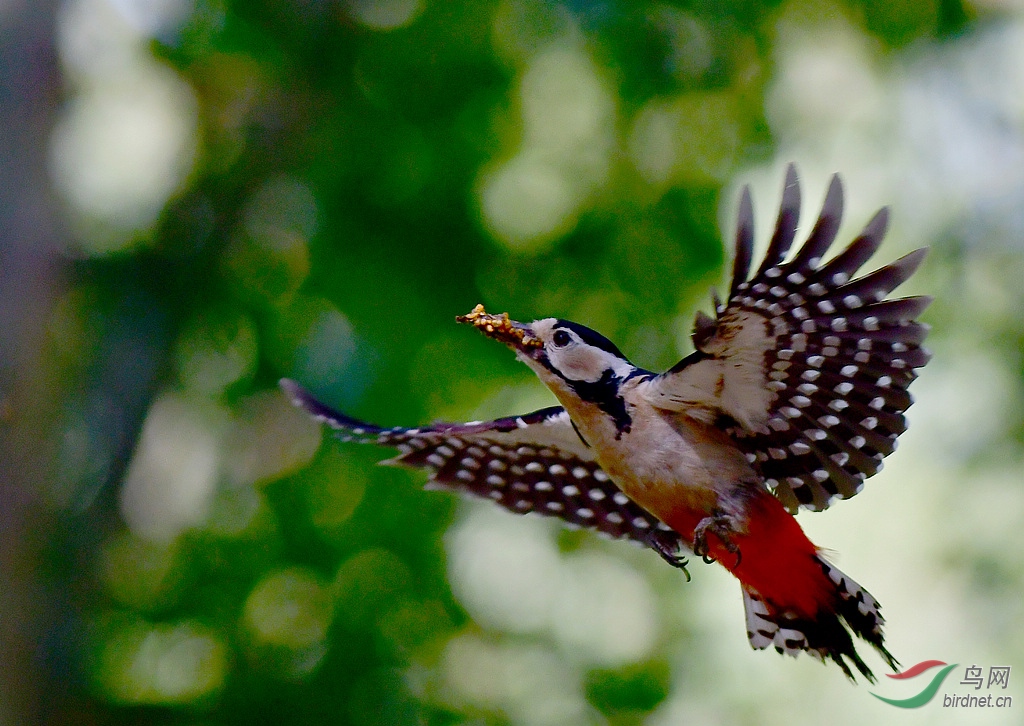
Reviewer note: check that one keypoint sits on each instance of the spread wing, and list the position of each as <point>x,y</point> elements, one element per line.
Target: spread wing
<point>807,366</point>
<point>531,463</point>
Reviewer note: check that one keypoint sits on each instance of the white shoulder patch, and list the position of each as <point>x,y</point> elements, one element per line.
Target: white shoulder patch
<point>732,381</point>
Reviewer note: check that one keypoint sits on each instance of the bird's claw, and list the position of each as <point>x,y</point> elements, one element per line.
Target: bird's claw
<point>669,545</point>
<point>719,525</point>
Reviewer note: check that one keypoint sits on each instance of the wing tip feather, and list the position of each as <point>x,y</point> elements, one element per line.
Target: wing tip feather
<point>878,225</point>
<point>791,195</point>
<point>834,198</point>
<point>792,180</point>
<point>296,393</point>
<point>911,261</point>
<point>744,240</point>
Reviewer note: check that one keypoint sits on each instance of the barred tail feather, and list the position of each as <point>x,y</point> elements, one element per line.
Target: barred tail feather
<point>827,636</point>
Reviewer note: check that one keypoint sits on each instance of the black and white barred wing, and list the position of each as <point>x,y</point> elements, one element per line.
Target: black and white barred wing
<point>531,463</point>
<point>808,364</point>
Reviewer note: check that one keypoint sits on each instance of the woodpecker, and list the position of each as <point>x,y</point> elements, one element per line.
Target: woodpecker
<point>793,396</point>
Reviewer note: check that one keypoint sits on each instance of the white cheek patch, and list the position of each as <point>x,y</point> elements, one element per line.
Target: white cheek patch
<point>581,362</point>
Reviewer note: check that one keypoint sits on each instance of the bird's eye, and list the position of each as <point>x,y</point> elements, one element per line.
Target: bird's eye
<point>561,339</point>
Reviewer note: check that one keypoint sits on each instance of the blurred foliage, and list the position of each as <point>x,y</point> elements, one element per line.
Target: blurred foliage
<point>357,173</point>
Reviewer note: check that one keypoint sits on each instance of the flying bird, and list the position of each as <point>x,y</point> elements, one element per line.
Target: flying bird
<point>793,396</point>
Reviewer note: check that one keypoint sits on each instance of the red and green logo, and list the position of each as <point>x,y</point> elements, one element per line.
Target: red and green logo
<point>928,692</point>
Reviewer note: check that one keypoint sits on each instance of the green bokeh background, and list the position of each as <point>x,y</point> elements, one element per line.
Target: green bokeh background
<point>200,198</point>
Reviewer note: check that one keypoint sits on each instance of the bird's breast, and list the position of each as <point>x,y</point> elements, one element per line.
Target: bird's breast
<point>669,463</point>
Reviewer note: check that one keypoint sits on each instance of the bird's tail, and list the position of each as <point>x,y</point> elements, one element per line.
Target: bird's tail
<point>826,634</point>
<point>794,598</point>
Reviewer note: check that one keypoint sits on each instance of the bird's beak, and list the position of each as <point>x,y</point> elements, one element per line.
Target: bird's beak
<point>517,336</point>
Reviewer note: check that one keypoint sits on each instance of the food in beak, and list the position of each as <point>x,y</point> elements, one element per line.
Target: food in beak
<point>501,328</point>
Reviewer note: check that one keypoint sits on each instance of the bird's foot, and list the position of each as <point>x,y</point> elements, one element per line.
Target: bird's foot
<point>671,547</point>
<point>720,525</point>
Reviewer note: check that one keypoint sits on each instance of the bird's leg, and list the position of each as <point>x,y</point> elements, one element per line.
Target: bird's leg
<point>720,525</point>
<point>670,547</point>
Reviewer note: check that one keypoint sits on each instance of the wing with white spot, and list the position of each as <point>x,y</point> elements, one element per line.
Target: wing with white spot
<point>807,366</point>
<point>531,463</point>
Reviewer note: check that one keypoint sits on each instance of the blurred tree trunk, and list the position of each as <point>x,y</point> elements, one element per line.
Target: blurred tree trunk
<point>29,282</point>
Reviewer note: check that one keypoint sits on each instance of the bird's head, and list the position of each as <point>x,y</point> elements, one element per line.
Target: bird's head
<point>559,351</point>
